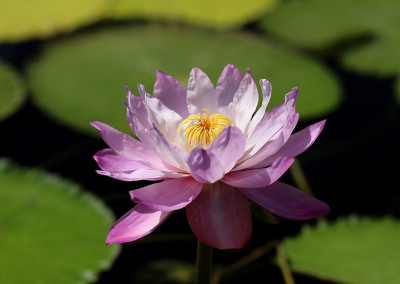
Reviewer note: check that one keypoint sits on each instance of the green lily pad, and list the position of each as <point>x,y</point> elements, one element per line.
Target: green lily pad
<point>353,250</point>
<point>363,33</point>
<point>318,24</point>
<point>12,91</point>
<point>220,14</point>
<point>82,78</point>
<point>322,25</point>
<point>25,19</point>
<point>380,57</point>
<point>51,231</point>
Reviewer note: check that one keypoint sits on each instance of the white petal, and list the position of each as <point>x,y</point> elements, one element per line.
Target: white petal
<point>165,119</point>
<point>201,93</point>
<point>266,90</point>
<point>244,103</point>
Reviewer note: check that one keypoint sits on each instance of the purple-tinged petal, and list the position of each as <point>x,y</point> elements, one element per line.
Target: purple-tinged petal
<point>266,91</point>
<point>204,166</point>
<point>171,154</point>
<point>109,161</point>
<point>220,217</point>
<point>171,93</point>
<point>165,119</point>
<point>228,147</point>
<point>259,177</point>
<point>138,222</point>
<point>136,111</point>
<point>168,195</point>
<point>287,201</point>
<point>128,147</point>
<point>244,103</point>
<point>138,119</point>
<point>201,93</point>
<point>297,143</point>
<point>270,148</point>
<point>292,95</point>
<point>272,122</point>
<point>142,132</point>
<point>227,85</point>
<point>142,174</point>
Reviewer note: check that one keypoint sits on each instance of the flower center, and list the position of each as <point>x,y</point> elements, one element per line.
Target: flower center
<point>201,130</point>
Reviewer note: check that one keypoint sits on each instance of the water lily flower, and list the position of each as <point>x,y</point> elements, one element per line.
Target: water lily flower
<point>212,150</point>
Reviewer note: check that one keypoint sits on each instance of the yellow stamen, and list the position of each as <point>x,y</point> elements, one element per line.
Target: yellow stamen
<point>202,130</point>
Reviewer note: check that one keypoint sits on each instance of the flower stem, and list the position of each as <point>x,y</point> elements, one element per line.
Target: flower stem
<point>284,266</point>
<point>301,181</point>
<point>300,178</point>
<point>203,263</point>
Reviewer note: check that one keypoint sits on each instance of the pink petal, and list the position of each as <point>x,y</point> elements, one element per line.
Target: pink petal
<point>171,93</point>
<point>297,143</point>
<point>266,91</point>
<point>270,148</point>
<point>286,201</point>
<point>128,147</point>
<point>227,85</point>
<point>109,161</point>
<point>138,222</point>
<point>165,119</point>
<point>220,217</point>
<point>201,93</point>
<point>204,166</point>
<point>136,112</point>
<point>272,122</point>
<point>139,120</point>
<point>259,177</point>
<point>145,129</point>
<point>171,154</point>
<point>244,103</point>
<point>142,174</point>
<point>228,147</point>
<point>292,95</point>
<point>168,195</point>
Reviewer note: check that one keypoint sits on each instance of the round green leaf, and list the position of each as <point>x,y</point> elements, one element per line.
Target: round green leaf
<point>313,24</point>
<point>353,250</point>
<point>326,24</point>
<point>12,91</point>
<point>318,24</point>
<point>50,230</point>
<point>220,14</point>
<point>379,57</point>
<point>81,79</point>
<point>26,19</point>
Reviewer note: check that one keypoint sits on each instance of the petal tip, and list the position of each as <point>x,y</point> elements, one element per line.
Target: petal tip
<point>265,82</point>
<point>95,124</point>
<point>161,75</point>
<point>111,239</point>
<point>231,66</point>
<point>128,90</point>
<point>195,70</point>
<point>326,210</point>
<point>292,95</point>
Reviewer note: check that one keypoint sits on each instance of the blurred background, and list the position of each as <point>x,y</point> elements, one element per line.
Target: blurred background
<point>65,63</point>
